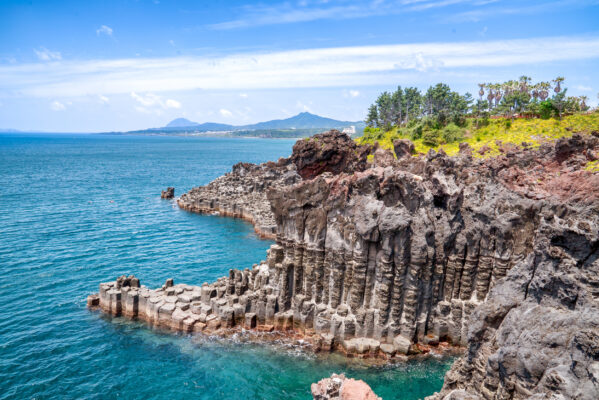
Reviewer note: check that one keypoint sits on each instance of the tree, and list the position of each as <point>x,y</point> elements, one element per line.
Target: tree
<point>413,104</point>
<point>372,119</point>
<point>384,104</point>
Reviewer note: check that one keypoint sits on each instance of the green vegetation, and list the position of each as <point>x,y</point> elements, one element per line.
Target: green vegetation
<point>504,130</point>
<point>513,112</point>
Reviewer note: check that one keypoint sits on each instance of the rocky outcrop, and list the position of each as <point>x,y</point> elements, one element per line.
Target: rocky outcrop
<point>242,194</point>
<point>390,257</point>
<point>332,151</point>
<point>169,193</point>
<point>537,335</point>
<point>338,387</point>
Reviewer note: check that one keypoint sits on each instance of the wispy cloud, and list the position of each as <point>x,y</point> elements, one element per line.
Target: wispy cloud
<point>46,55</point>
<point>152,103</point>
<point>104,30</point>
<point>520,8</point>
<point>305,11</point>
<point>225,113</point>
<point>324,67</point>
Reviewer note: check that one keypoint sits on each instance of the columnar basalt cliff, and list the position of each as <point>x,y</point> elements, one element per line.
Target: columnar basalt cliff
<point>388,256</point>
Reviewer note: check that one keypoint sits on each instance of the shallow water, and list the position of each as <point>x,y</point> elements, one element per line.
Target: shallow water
<point>76,210</point>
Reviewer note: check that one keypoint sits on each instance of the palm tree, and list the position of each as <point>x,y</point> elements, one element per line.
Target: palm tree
<point>524,84</point>
<point>535,91</point>
<point>583,103</point>
<point>544,90</point>
<point>558,82</point>
<point>498,94</point>
<point>491,95</point>
<point>481,92</point>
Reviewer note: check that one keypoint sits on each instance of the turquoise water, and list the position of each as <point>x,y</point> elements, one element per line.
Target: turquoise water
<point>76,210</point>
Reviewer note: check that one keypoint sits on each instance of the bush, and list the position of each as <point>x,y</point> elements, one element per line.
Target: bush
<point>546,109</point>
<point>431,138</point>
<point>415,132</point>
<point>452,133</point>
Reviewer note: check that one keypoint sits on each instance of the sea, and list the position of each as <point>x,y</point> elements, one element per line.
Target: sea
<point>77,210</point>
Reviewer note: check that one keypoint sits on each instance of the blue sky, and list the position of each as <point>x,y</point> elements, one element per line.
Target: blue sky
<point>84,66</point>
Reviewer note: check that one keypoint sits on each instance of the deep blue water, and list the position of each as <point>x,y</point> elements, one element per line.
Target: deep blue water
<point>76,210</point>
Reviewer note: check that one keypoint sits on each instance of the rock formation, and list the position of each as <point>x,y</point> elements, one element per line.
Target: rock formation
<point>242,194</point>
<point>338,387</point>
<point>169,193</point>
<point>388,257</point>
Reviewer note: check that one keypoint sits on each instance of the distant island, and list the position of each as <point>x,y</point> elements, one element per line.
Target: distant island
<point>301,125</point>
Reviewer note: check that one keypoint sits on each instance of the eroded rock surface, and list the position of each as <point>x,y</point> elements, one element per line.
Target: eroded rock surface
<point>242,194</point>
<point>338,387</point>
<point>389,257</point>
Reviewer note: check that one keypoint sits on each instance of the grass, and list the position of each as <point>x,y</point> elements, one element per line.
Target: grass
<point>534,132</point>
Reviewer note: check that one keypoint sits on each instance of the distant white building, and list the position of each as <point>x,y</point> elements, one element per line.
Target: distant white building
<point>349,130</point>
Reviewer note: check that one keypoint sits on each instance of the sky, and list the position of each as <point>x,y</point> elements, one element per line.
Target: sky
<point>92,66</point>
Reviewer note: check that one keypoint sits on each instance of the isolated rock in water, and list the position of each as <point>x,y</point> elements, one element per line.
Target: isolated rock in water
<point>338,387</point>
<point>169,193</point>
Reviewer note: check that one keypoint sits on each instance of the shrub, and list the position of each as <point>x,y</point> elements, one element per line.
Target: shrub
<point>452,133</point>
<point>546,109</point>
<point>431,137</point>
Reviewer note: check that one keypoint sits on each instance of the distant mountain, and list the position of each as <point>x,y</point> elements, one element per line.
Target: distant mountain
<point>180,122</point>
<point>303,120</point>
<point>303,124</point>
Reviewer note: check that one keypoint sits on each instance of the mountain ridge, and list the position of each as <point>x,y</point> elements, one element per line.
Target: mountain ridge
<point>303,120</point>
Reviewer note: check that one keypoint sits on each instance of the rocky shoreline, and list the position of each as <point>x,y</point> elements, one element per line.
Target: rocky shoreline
<point>242,194</point>
<point>208,310</point>
<point>382,256</point>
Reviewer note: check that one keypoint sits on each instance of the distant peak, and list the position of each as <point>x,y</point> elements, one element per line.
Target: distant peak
<point>180,122</point>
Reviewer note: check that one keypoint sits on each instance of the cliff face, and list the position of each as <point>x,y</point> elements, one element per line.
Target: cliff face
<point>383,256</point>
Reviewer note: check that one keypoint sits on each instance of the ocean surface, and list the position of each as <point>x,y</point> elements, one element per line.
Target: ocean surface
<point>77,210</point>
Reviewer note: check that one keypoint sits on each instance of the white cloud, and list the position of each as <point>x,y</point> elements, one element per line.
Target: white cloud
<point>243,95</point>
<point>354,93</point>
<point>324,67</point>
<point>303,106</point>
<point>225,113</point>
<point>57,106</point>
<point>46,55</point>
<point>103,99</point>
<point>104,30</point>
<point>154,101</point>
<point>170,103</point>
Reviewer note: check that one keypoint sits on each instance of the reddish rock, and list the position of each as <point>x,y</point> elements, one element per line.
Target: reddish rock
<point>403,148</point>
<point>331,151</point>
<point>338,387</point>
